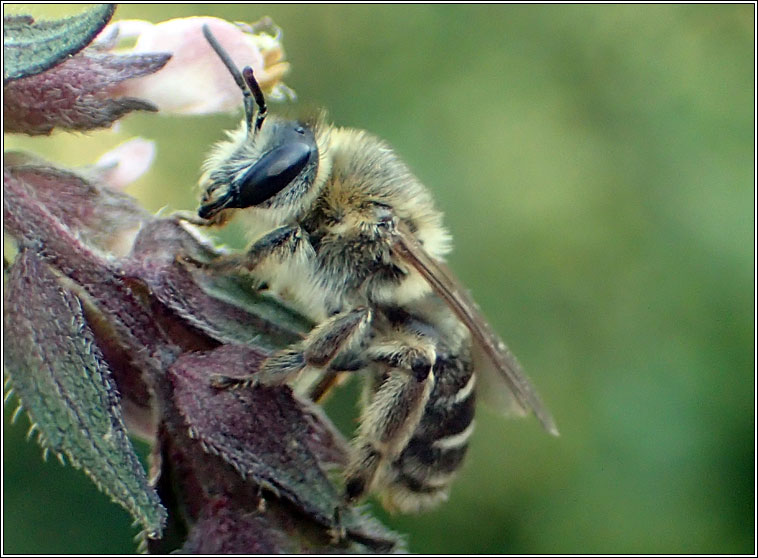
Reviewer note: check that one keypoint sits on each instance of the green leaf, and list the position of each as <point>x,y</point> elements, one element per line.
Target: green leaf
<point>31,47</point>
<point>60,376</point>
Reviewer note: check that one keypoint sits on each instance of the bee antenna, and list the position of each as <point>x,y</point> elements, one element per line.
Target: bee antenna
<point>252,84</point>
<point>251,91</point>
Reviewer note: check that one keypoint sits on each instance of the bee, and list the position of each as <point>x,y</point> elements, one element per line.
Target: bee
<point>346,231</point>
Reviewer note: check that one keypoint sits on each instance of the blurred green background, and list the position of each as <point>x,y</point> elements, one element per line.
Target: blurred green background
<point>595,164</point>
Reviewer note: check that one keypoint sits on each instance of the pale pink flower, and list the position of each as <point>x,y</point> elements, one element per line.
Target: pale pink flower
<point>195,81</point>
<point>125,163</point>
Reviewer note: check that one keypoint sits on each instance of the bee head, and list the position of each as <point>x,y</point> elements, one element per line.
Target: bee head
<point>269,163</point>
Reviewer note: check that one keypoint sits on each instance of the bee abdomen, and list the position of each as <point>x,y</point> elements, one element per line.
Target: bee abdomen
<point>422,474</point>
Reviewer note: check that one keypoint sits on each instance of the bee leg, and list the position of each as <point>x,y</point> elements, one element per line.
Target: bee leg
<point>335,335</point>
<point>276,247</point>
<point>332,377</point>
<point>391,417</point>
<point>321,346</point>
<point>280,245</point>
<point>318,349</point>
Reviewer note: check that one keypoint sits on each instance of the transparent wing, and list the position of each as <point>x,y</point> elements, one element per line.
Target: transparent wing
<point>486,342</point>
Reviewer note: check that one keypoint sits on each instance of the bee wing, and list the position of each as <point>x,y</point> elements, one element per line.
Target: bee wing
<point>486,341</point>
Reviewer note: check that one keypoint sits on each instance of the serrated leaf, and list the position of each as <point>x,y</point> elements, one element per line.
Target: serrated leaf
<point>31,47</point>
<point>59,374</point>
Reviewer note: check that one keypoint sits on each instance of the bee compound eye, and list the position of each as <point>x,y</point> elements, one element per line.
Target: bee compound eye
<point>272,173</point>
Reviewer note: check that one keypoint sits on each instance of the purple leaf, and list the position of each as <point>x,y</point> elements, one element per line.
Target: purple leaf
<point>261,432</point>
<point>261,450</point>
<point>78,94</point>
<point>102,217</point>
<point>157,323</point>
<point>225,307</point>
<point>226,529</point>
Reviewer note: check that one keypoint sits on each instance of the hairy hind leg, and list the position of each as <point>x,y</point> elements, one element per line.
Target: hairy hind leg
<point>391,416</point>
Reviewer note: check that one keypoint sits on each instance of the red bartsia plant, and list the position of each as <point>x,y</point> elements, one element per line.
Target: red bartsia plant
<point>110,333</point>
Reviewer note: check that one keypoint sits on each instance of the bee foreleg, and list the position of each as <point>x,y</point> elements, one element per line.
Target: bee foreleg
<point>318,349</point>
<point>276,247</point>
<point>279,246</point>
<point>391,417</point>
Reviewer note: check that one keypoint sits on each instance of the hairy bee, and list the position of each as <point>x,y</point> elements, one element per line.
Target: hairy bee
<point>344,229</point>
